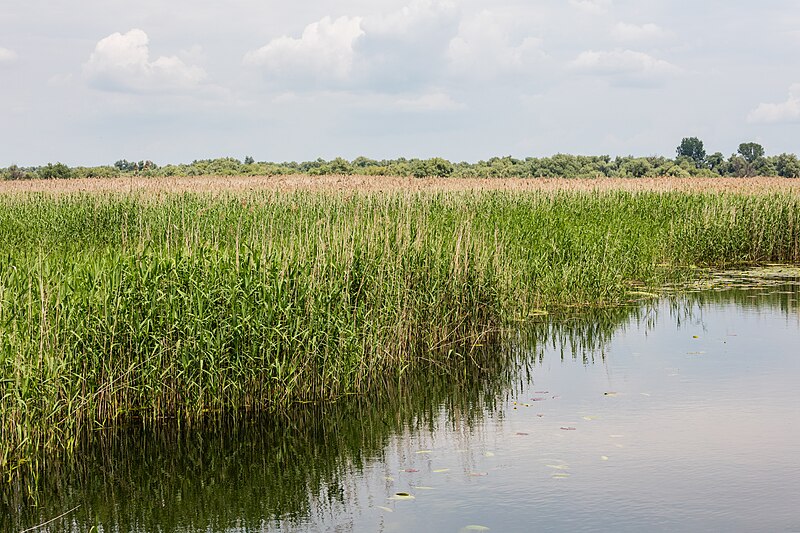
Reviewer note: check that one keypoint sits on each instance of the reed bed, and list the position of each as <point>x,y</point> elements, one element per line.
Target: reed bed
<point>350,183</point>
<point>119,306</point>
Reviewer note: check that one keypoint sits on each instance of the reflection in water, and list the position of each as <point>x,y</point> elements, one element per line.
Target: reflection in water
<point>484,439</point>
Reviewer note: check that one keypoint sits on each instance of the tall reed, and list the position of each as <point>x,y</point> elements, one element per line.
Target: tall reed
<point>126,306</point>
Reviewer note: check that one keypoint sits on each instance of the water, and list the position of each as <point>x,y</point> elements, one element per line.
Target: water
<point>683,415</point>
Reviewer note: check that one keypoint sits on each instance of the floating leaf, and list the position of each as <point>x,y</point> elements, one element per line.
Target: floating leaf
<point>473,527</point>
<point>478,474</point>
<point>522,433</point>
<point>645,393</point>
<point>560,475</point>
<point>488,454</point>
<point>382,508</point>
<point>695,337</point>
<point>590,418</point>
<point>441,470</point>
<point>410,470</point>
<point>401,496</point>
<point>604,458</point>
<point>559,467</point>
<point>423,451</point>
<point>568,428</point>
<point>420,487</point>
<point>541,392</point>
<point>389,478</point>
<point>538,399</point>
<point>616,436</point>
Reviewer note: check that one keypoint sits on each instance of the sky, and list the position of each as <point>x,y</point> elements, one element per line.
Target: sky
<point>95,81</point>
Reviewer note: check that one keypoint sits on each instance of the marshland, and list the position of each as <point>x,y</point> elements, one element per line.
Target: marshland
<point>171,305</point>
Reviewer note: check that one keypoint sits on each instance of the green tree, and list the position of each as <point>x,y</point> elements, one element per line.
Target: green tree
<point>692,147</point>
<point>439,167</point>
<point>740,167</point>
<point>637,168</point>
<point>59,171</point>
<point>751,151</point>
<point>716,162</point>
<point>787,166</point>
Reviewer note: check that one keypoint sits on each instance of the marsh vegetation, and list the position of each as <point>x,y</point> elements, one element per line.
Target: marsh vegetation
<point>132,306</point>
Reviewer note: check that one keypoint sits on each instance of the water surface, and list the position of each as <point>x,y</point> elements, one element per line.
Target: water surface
<point>682,415</point>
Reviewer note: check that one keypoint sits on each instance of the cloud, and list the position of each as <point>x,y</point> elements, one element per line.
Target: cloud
<point>323,52</point>
<point>483,48</point>
<point>7,56</point>
<point>434,101</point>
<point>403,50</point>
<point>396,52</point>
<point>624,66</point>
<point>633,32</point>
<point>121,62</point>
<point>592,7</point>
<point>417,17</point>
<point>788,111</point>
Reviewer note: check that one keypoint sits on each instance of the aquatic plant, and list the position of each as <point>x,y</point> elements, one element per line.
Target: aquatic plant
<point>126,306</point>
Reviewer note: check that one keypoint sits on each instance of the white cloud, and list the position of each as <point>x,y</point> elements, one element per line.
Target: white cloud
<point>633,32</point>
<point>324,51</point>
<point>7,56</point>
<point>121,62</point>
<point>594,7</point>
<point>434,101</point>
<point>788,111</point>
<point>624,65</point>
<point>417,16</point>
<point>483,48</point>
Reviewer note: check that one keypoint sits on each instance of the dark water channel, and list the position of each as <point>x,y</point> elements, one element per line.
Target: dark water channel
<point>680,415</point>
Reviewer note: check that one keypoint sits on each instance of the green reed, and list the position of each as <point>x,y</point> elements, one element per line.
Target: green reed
<point>142,307</point>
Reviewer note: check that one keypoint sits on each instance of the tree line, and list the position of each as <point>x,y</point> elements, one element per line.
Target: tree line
<point>691,160</point>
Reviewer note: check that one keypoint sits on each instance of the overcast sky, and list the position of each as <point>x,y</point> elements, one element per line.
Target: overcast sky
<point>94,81</point>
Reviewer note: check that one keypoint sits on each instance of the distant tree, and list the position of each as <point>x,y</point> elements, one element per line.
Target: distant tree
<point>787,166</point>
<point>249,160</point>
<point>59,171</point>
<point>751,151</point>
<point>339,165</point>
<point>716,162</point>
<point>637,168</point>
<point>439,167</point>
<point>364,162</point>
<point>692,147</point>
<point>15,173</point>
<point>740,167</point>
<point>126,166</point>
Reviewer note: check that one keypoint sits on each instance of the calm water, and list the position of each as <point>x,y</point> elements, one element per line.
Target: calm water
<point>679,416</point>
